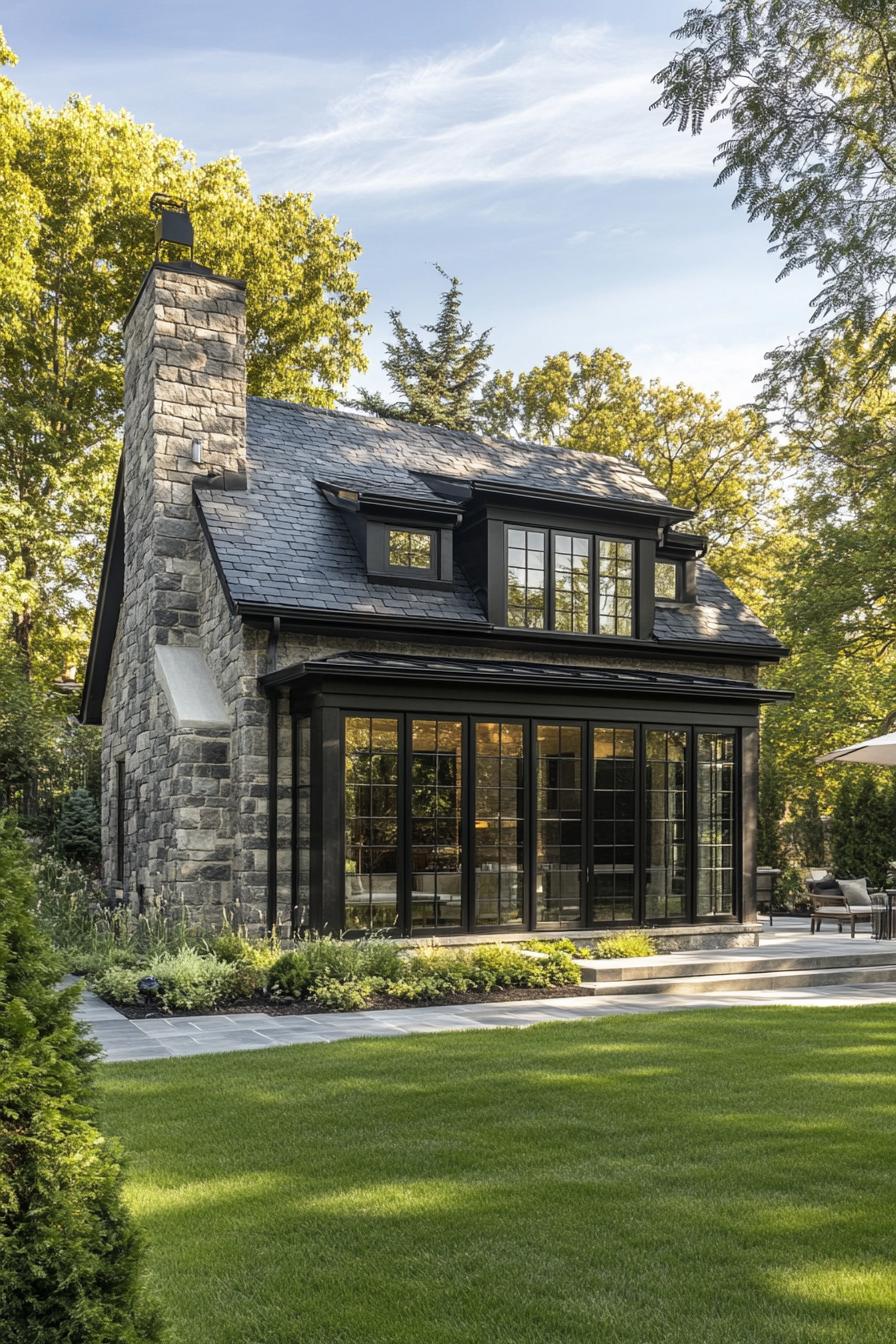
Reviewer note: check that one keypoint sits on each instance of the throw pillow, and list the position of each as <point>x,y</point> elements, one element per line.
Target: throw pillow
<point>855,891</point>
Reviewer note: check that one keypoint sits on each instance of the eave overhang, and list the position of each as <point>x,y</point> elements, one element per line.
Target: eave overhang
<point>108,606</point>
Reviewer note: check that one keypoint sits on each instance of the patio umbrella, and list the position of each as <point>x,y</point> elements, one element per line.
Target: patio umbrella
<point>873,751</point>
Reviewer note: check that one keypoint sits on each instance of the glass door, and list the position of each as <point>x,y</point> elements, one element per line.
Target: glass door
<point>666,821</point>
<point>436,788</point>
<point>559,825</point>
<point>614,808</point>
<point>499,824</point>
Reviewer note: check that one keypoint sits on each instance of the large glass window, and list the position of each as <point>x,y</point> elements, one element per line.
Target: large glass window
<point>613,800</point>
<point>498,823</point>
<point>409,550</point>
<point>525,578</point>
<point>715,823</point>
<point>371,823</point>
<point>436,781</point>
<point>558,824</point>
<point>666,759</point>
<point>572,583</point>
<point>615,603</point>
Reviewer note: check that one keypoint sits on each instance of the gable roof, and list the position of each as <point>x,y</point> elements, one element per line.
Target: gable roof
<point>281,545</point>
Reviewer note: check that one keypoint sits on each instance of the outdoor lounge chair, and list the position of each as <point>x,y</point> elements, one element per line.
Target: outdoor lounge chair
<point>845,902</point>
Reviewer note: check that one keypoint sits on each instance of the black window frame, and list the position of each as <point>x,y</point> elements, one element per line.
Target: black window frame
<point>549,532</point>
<point>529,717</point>
<point>438,574</point>
<point>120,817</point>
<point>679,579</point>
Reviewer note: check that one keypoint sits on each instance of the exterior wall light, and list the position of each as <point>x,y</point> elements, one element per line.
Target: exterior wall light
<point>196,451</point>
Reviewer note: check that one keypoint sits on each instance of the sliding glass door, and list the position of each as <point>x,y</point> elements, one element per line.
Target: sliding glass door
<point>371,823</point>
<point>666,818</point>
<point>436,800</point>
<point>715,824</point>
<point>499,825</point>
<point>614,804</point>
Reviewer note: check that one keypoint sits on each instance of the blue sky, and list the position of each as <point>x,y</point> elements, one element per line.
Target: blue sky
<point>510,142</point>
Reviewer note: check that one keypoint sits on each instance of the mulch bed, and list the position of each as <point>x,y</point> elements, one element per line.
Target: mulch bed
<point>301,1007</point>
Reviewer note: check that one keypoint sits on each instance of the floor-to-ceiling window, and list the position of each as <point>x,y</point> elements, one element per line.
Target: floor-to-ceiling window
<point>666,819</point>
<point>436,823</point>
<point>434,841</point>
<point>371,822</point>
<point>558,824</point>
<point>715,824</point>
<point>614,803</point>
<point>499,823</point>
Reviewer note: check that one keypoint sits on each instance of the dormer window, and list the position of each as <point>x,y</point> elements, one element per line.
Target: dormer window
<point>667,581</point>
<point>410,549</point>
<point>615,592</point>
<point>571,582</point>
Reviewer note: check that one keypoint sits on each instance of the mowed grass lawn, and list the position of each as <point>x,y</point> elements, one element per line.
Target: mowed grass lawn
<point>709,1177</point>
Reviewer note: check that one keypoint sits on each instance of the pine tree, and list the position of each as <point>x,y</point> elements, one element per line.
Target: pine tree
<point>436,381</point>
<point>69,1257</point>
<point>78,834</point>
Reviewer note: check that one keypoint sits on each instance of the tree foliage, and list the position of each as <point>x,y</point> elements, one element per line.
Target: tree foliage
<point>863,825</point>
<point>78,832</point>
<point>76,238</point>
<point>69,1257</point>
<point>807,92</point>
<point>436,381</point>
<point>715,461</point>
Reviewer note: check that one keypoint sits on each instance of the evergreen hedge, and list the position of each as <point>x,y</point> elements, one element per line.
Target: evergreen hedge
<point>69,1257</point>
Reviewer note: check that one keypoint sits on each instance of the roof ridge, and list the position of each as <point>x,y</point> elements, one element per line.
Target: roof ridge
<point>556,448</point>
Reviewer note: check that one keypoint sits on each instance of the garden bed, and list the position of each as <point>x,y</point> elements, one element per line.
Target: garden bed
<point>302,1007</point>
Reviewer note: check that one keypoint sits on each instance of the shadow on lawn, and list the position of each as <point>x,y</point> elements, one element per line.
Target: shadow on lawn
<point>700,1178</point>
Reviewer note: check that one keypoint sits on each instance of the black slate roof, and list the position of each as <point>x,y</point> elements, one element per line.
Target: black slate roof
<point>281,544</point>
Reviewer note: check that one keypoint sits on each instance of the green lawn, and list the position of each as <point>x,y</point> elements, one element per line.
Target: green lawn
<point>704,1177</point>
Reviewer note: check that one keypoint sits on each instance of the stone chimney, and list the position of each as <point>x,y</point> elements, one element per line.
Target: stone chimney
<point>185,419</point>
<point>171,707</point>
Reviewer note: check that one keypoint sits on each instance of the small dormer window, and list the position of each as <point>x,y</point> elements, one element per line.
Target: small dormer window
<point>409,549</point>
<point>666,580</point>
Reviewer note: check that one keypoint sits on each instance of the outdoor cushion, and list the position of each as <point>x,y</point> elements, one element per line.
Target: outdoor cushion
<point>855,891</point>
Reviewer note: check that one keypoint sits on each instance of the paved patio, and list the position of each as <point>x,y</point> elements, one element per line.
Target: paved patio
<point>122,1038</point>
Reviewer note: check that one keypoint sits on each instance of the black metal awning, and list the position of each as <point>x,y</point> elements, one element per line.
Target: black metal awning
<point>554,676</point>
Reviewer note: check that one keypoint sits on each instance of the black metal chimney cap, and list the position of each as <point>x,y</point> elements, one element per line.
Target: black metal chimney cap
<point>173,223</point>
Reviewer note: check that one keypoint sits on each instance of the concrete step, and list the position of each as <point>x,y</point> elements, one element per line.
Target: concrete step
<point>756,978</point>
<point>644,968</point>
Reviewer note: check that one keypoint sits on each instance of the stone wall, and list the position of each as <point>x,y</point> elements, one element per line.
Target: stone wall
<point>184,381</point>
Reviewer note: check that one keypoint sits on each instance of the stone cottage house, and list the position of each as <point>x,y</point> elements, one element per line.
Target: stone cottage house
<point>358,674</point>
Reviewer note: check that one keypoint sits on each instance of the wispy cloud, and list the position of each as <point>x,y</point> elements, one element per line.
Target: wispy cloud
<point>568,105</point>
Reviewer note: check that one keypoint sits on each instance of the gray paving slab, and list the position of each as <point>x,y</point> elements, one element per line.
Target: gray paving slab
<point>123,1039</point>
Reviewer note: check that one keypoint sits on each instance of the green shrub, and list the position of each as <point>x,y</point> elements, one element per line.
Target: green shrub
<point>69,1257</point>
<point>318,961</point>
<point>188,981</point>
<point>631,943</point>
<point>556,945</point>
<point>498,967</point>
<point>78,832</point>
<point>343,996</point>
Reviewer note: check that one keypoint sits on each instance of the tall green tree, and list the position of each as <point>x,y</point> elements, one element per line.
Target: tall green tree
<point>718,462</point>
<point>76,238</point>
<point>436,381</point>
<point>70,1262</point>
<point>806,91</point>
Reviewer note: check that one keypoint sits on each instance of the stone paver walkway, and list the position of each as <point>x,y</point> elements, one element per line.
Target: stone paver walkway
<point>170,1038</point>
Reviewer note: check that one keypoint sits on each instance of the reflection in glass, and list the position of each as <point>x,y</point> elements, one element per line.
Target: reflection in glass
<point>715,823</point>
<point>572,583</point>
<point>436,823</point>
<point>613,801</point>
<point>558,824</point>
<point>665,580</point>
<point>371,823</point>
<point>666,824</point>
<point>410,550</point>
<point>498,827</point>
<point>525,577</point>
<point>615,601</point>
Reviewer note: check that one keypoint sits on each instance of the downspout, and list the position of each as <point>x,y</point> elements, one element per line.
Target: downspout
<point>273,779</point>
